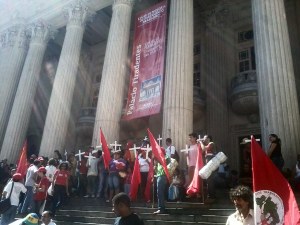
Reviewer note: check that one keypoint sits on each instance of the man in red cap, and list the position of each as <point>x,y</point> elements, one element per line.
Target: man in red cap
<point>15,187</point>
<point>40,190</point>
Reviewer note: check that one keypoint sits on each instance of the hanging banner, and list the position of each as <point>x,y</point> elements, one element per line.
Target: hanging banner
<point>147,64</point>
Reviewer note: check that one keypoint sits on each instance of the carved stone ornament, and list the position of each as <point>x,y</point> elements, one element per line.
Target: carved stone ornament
<point>41,32</point>
<point>123,2</point>
<point>78,13</point>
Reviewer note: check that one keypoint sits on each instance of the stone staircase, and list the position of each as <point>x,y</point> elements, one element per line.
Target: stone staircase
<point>91,211</point>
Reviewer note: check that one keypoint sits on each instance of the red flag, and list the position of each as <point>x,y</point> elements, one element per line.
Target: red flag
<point>158,153</point>
<point>147,192</point>
<point>22,164</point>
<point>105,150</point>
<point>127,154</point>
<point>135,180</point>
<point>194,187</point>
<point>274,199</point>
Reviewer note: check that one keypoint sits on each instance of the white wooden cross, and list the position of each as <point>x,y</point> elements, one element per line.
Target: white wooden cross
<point>145,139</point>
<point>90,157</point>
<point>79,154</point>
<point>66,154</point>
<point>134,149</point>
<point>159,139</point>
<point>187,149</point>
<point>249,140</point>
<point>199,139</point>
<point>147,149</point>
<point>115,145</point>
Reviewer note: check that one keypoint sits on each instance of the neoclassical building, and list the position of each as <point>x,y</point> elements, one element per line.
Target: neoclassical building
<point>231,70</point>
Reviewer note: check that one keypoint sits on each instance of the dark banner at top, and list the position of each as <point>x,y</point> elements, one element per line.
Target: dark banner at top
<point>147,64</point>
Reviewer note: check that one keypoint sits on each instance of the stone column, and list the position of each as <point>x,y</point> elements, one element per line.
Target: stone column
<point>178,93</point>
<point>58,114</point>
<point>22,105</point>
<point>13,55</point>
<point>279,110</point>
<point>218,66</point>
<point>111,93</point>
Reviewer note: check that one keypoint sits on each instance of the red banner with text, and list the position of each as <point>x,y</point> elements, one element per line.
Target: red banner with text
<point>147,64</point>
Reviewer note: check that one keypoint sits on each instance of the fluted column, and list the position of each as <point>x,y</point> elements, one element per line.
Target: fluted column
<point>13,55</point>
<point>218,65</point>
<point>22,105</point>
<point>279,110</point>
<point>110,100</point>
<point>178,90</point>
<point>58,114</point>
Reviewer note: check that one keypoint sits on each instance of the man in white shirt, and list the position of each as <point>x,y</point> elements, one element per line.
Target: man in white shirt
<point>47,218</point>
<point>31,177</point>
<point>170,150</point>
<point>242,198</point>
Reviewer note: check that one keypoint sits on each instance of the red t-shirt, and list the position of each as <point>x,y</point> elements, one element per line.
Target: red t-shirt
<point>83,169</point>
<point>41,195</point>
<point>61,177</point>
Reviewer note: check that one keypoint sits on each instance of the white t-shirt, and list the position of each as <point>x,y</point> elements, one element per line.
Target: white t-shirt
<point>31,176</point>
<point>192,155</point>
<point>170,150</point>
<point>51,223</point>
<point>18,188</point>
<point>144,165</point>
<point>93,168</point>
<point>50,170</point>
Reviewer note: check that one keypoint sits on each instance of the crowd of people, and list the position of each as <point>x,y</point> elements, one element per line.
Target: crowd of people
<point>49,182</point>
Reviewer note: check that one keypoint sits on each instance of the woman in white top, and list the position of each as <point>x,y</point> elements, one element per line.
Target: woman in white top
<point>144,169</point>
<point>17,187</point>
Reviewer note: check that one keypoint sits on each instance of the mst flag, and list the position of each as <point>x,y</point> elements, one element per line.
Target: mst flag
<point>274,200</point>
<point>22,164</point>
<point>135,180</point>
<point>158,153</point>
<point>105,150</point>
<point>195,186</point>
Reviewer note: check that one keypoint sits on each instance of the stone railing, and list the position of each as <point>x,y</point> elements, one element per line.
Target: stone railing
<point>243,93</point>
<point>87,115</point>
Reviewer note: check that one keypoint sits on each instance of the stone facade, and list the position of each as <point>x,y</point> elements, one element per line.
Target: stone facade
<point>230,72</point>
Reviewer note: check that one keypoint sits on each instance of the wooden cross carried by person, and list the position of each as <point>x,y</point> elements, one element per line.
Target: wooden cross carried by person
<point>66,154</point>
<point>134,149</point>
<point>79,154</point>
<point>115,145</point>
<point>147,149</point>
<point>159,139</point>
<point>90,157</point>
<point>187,149</point>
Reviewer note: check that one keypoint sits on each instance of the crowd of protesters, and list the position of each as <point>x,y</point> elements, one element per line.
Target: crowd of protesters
<point>49,183</point>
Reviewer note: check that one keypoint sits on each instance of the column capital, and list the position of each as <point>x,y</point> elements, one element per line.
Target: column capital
<point>123,2</point>
<point>78,13</point>
<point>41,32</point>
<point>15,35</point>
<point>220,16</point>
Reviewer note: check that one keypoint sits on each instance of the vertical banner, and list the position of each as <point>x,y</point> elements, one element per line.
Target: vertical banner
<point>147,64</point>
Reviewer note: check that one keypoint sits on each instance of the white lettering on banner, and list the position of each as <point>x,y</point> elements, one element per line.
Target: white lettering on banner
<point>151,15</point>
<point>135,79</point>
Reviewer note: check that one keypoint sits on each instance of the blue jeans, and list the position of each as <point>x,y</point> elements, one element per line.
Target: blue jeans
<point>102,186</point>
<point>9,215</point>
<point>113,181</point>
<point>28,201</point>
<point>161,185</point>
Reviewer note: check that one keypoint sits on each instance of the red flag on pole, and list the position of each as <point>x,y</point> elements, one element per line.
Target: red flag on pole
<point>194,187</point>
<point>135,180</point>
<point>105,150</point>
<point>147,192</point>
<point>158,153</point>
<point>274,200</point>
<point>22,164</point>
